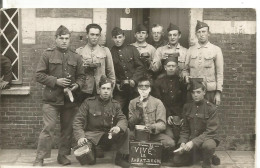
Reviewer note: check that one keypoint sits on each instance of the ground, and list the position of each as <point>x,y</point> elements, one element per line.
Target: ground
<point>12,158</point>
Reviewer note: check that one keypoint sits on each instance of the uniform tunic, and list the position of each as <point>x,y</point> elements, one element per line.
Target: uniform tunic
<point>161,52</point>
<point>160,43</point>
<point>146,48</point>
<point>206,62</point>
<point>96,54</point>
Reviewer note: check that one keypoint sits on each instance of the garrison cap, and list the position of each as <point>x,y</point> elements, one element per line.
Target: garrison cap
<point>201,25</point>
<point>173,27</point>
<point>196,83</point>
<point>140,27</point>
<point>117,31</point>
<point>62,30</point>
<point>104,80</point>
<point>171,58</point>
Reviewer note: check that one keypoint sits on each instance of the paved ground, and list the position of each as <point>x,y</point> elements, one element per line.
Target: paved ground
<point>13,158</point>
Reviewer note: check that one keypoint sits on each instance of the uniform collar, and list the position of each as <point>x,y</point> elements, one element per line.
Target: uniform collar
<point>199,103</point>
<point>171,76</point>
<point>103,101</point>
<point>62,50</point>
<point>145,100</point>
<point>91,48</point>
<point>141,45</point>
<point>119,48</point>
<point>205,46</point>
<point>177,46</point>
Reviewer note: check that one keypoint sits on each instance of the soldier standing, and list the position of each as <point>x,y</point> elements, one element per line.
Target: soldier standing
<point>173,48</point>
<point>97,61</point>
<point>205,60</point>
<point>128,69</point>
<point>57,69</point>
<point>146,50</point>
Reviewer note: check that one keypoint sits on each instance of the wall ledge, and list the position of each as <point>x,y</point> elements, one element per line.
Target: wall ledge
<point>16,90</point>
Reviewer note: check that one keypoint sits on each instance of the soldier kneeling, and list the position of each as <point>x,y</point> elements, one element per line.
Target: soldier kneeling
<point>101,121</point>
<point>198,134</point>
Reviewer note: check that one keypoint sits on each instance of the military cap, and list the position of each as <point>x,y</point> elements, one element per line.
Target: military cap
<point>140,27</point>
<point>173,27</point>
<point>104,80</point>
<point>62,30</point>
<point>196,83</point>
<point>117,31</point>
<point>200,25</point>
<point>172,58</point>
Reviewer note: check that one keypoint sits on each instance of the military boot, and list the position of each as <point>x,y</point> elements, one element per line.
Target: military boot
<point>63,160</point>
<point>122,160</point>
<point>215,160</point>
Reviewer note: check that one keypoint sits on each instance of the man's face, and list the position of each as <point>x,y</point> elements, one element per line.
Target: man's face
<point>63,41</point>
<point>198,94</point>
<point>119,40</point>
<point>173,37</point>
<point>157,33</point>
<point>105,91</point>
<point>171,68</point>
<point>141,36</point>
<point>203,35</point>
<point>93,36</point>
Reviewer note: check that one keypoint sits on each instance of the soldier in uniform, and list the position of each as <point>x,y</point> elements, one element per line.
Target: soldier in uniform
<point>146,50</point>
<point>97,61</point>
<point>99,116</point>
<point>150,111</point>
<point>199,132</point>
<point>171,91</point>
<point>205,60</point>
<point>58,68</point>
<point>173,48</point>
<point>157,36</point>
<point>6,72</point>
<point>128,69</point>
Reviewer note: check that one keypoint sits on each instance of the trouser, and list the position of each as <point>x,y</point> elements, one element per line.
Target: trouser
<point>121,140</point>
<point>210,95</point>
<point>124,97</point>
<point>50,117</point>
<point>203,152</point>
<point>173,131</point>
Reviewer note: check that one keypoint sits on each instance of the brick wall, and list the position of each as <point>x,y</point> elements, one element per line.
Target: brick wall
<point>237,112</point>
<point>21,116</point>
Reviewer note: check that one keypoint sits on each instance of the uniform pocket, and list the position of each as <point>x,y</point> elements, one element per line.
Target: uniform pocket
<point>49,94</point>
<point>55,67</point>
<point>193,61</point>
<point>151,116</point>
<point>208,61</point>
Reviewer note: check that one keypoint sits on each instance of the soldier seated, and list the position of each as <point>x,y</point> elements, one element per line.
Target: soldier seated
<point>150,111</point>
<point>101,121</point>
<point>198,134</point>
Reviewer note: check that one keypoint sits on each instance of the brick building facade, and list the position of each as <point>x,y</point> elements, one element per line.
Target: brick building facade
<point>234,30</point>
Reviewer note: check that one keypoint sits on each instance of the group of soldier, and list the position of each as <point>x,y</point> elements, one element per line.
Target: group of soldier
<point>129,85</point>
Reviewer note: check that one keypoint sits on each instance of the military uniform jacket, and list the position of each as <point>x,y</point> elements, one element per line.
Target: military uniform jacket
<point>97,54</point>
<point>152,114</point>
<point>96,116</point>
<point>6,69</point>
<point>56,63</point>
<point>205,62</point>
<point>171,91</point>
<point>127,63</point>
<point>160,43</point>
<point>200,123</point>
<point>146,48</point>
<point>161,52</point>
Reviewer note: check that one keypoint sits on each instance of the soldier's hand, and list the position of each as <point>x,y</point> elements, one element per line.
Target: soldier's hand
<point>217,98</point>
<point>187,79</point>
<point>63,82</point>
<point>170,120</point>
<point>3,84</point>
<point>189,146</point>
<point>74,86</point>
<point>115,130</point>
<point>82,141</point>
<point>132,83</point>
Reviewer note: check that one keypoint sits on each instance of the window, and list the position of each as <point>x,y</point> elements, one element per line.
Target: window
<point>9,40</point>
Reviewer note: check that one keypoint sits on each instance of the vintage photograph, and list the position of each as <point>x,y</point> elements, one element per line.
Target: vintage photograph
<point>128,87</point>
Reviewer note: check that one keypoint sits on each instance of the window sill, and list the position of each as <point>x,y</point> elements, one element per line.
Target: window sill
<point>16,90</point>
